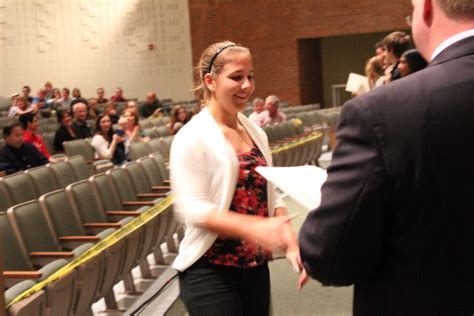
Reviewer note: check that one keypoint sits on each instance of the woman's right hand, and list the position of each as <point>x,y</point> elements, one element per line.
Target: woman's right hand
<point>267,232</point>
<point>118,139</point>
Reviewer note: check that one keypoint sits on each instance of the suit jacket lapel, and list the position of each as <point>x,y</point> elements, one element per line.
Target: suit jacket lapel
<point>459,49</point>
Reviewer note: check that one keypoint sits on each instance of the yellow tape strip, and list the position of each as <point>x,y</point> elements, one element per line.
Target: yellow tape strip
<point>291,145</point>
<point>110,240</point>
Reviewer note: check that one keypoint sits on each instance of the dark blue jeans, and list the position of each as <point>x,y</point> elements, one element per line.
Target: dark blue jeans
<point>209,289</point>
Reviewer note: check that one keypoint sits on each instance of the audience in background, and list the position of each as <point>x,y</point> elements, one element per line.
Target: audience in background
<point>118,96</point>
<point>77,97</point>
<point>65,102</point>
<point>129,124</point>
<point>410,62</point>
<point>111,110</point>
<point>48,89</point>
<point>132,105</point>
<point>258,116</point>
<point>178,119</point>
<point>29,123</point>
<point>79,124</point>
<point>55,99</point>
<point>65,132</point>
<point>151,106</point>
<point>275,116</point>
<point>39,104</point>
<point>93,112</point>
<point>396,43</point>
<point>100,96</point>
<point>20,107</point>
<point>25,91</point>
<point>17,155</point>
<point>107,143</point>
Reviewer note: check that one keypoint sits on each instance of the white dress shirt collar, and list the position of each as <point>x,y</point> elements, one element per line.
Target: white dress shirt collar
<point>451,40</point>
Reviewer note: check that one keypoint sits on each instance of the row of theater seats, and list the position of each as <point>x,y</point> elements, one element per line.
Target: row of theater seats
<point>40,236</point>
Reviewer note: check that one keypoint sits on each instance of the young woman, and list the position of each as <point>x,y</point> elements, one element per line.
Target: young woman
<point>65,132</point>
<point>129,124</point>
<point>233,216</point>
<point>179,118</point>
<point>411,62</point>
<point>107,144</point>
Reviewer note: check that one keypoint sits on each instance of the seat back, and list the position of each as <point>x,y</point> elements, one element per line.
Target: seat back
<point>85,202</point>
<point>152,172</point>
<point>79,147</point>
<point>5,201</point>
<point>14,257</point>
<point>48,139</point>
<point>138,150</point>
<point>29,222</point>
<point>65,221</point>
<point>81,170</point>
<point>137,176</point>
<point>19,188</point>
<point>160,163</point>
<point>43,179</point>
<point>163,131</point>
<point>63,173</point>
<point>104,188</point>
<point>166,146</point>
<point>122,184</point>
<point>155,145</point>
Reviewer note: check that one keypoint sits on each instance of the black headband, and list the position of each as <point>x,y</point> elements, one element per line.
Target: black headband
<point>215,56</point>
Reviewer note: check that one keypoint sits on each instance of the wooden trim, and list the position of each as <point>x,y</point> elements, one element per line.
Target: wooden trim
<point>102,225</point>
<point>52,254</point>
<point>152,195</point>
<point>161,187</point>
<point>138,203</point>
<point>123,213</point>
<point>22,274</point>
<point>79,238</point>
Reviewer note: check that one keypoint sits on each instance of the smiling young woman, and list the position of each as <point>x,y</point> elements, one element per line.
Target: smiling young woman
<point>233,217</point>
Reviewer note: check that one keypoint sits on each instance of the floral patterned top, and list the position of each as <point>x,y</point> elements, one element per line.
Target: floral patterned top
<point>250,198</point>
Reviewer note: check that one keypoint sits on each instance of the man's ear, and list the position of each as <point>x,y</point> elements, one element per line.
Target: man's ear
<point>209,81</point>
<point>428,12</point>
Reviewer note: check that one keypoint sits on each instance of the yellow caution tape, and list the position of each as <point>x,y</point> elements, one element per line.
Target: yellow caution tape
<point>298,142</point>
<point>110,240</point>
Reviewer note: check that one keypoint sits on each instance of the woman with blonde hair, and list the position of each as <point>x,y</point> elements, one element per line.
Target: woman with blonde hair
<point>234,218</point>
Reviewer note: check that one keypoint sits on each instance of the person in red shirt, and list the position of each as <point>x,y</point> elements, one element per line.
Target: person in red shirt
<point>29,123</point>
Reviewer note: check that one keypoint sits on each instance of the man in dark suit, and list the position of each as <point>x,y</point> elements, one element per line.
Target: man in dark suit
<point>397,212</point>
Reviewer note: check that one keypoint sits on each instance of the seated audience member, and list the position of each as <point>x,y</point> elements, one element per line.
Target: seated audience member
<point>65,131</point>
<point>20,107</point>
<point>258,117</point>
<point>17,155</point>
<point>132,105</point>
<point>275,116</point>
<point>55,99</point>
<point>107,143</point>
<point>111,110</point>
<point>118,96</point>
<point>39,104</point>
<point>396,43</point>
<point>79,124</point>
<point>93,112</point>
<point>178,119</point>
<point>29,123</point>
<point>151,106</point>
<point>410,62</point>
<point>100,96</point>
<point>65,102</point>
<point>48,89</point>
<point>77,97</point>
<point>129,124</point>
<point>25,91</point>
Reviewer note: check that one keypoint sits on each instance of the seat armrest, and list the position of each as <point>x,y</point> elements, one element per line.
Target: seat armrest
<point>52,254</point>
<point>79,238</point>
<point>151,195</point>
<point>167,181</point>
<point>102,225</point>
<point>138,203</point>
<point>161,187</point>
<point>123,213</point>
<point>22,274</point>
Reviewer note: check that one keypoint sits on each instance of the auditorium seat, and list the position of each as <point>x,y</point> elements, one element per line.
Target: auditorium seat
<point>43,179</point>
<point>18,187</point>
<point>138,150</point>
<point>63,173</point>
<point>32,305</point>
<point>81,170</point>
<point>162,131</point>
<point>82,147</point>
<point>152,173</point>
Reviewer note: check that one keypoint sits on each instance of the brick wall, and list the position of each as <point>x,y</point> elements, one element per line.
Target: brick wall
<point>271,30</point>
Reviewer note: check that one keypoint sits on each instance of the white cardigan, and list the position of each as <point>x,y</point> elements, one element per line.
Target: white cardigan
<point>204,171</point>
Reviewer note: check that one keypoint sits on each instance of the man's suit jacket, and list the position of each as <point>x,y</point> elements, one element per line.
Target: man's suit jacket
<point>397,212</point>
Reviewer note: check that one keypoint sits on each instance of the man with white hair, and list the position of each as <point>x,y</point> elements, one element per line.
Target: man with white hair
<point>79,124</point>
<point>275,116</point>
<point>397,210</point>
